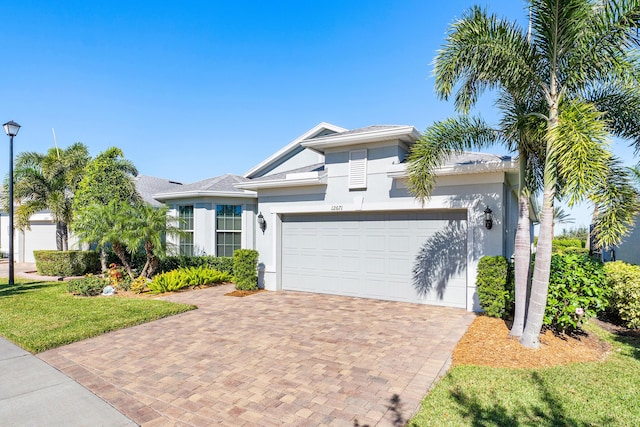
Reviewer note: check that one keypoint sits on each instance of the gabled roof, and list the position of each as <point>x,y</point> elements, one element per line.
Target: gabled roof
<point>301,177</point>
<point>364,135</point>
<point>317,131</point>
<point>221,186</point>
<point>147,186</point>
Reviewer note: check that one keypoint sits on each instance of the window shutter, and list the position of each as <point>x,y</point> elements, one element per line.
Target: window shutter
<point>358,169</point>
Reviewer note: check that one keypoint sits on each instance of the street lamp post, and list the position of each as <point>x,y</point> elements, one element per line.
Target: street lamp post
<point>11,128</point>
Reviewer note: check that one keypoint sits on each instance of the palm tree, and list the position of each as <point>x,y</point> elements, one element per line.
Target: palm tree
<point>48,182</point>
<point>575,58</point>
<point>518,132</point>
<point>105,225</point>
<point>147,226</point>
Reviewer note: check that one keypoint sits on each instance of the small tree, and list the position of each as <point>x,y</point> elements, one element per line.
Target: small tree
<point>146,226</point>
<point>107,178</point>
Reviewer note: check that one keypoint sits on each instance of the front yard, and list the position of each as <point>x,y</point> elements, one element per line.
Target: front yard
<point>42,315</point>
<point>604,393</point>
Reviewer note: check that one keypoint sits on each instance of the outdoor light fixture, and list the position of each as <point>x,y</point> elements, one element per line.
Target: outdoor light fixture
<point>11,128</point>
<point>488,218</point>
<point>261,222</point>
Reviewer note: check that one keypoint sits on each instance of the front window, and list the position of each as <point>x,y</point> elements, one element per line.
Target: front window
<point>185,213</point>
<point>228,229</point>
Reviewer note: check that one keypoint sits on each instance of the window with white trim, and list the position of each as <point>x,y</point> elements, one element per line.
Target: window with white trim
<point>228,229</point>
<point>358,169</point>
<point>185,215</point>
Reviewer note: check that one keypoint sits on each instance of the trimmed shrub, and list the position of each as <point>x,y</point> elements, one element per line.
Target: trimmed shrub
<point>223,264</point>
<point>574,250</point>
<point>624,281</point>
<point>245,269</point>
<point>66,263</point>
<point>558,245</point>
<point>181,278</point>
<point>495,286</point>
<point>87,286</point>
<point>577,291</point>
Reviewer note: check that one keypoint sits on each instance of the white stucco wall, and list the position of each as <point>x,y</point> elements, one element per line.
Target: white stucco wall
<point>463,192</point>
<point>204,222</point>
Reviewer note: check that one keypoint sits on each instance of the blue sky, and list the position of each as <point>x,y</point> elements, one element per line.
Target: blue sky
<point>191,90</point>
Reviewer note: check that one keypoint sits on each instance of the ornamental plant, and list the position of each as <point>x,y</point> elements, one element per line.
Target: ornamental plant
<point>624,280</point>
<point>245,269</point>
<point>495,287</point>
<point>577,291</point>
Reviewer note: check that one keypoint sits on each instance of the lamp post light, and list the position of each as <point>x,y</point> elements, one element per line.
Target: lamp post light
<point>11,128</point>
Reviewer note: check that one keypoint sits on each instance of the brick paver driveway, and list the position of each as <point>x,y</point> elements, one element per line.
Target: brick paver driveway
<point>273,358</point>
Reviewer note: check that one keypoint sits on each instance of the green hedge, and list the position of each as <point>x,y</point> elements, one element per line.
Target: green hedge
<point>223,264</point>
<point>558,245</point>
<point>495,286</point>
<point>245,269</point>
<point>624,281</point>
<point>66,263</point>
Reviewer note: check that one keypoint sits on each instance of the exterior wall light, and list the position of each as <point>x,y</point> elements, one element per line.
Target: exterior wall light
<point>488,218</point>
<point>261,222</point>
<point>11,128</point>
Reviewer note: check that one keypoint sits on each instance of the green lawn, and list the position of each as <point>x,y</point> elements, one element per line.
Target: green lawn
<point>41,315</point>
<point>583,394</point>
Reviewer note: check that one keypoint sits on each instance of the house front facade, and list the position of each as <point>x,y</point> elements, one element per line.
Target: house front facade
<point>330,212</point>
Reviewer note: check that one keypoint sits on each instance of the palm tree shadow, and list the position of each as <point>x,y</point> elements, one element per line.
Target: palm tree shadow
<point>441,257</point>
<point>22,287</point>
<point>394,409</point>
<point>550,413</point>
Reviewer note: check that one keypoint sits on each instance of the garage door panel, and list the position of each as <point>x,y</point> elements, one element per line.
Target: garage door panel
<point>375,255</point>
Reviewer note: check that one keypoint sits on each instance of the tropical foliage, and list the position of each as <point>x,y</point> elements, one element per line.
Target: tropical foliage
<point>564,86</point>
<point>577,291</point>
<point>175,280</point>
<point>48,182</point>
<point>624,281</point>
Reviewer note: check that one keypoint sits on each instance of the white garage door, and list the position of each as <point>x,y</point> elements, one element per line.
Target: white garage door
<point>410,256</point>
<point>42,236</point>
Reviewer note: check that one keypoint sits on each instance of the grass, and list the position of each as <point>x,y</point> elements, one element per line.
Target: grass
<point>582,394</point>
<point>42,315</point>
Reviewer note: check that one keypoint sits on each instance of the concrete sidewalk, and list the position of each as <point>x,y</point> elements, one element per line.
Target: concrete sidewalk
<point>33,393</point>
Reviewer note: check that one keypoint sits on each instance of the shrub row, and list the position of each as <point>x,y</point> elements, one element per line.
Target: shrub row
<point>183,277</point>
<point>223,264</point>
<point>66,263</point>
<point>577,289</point>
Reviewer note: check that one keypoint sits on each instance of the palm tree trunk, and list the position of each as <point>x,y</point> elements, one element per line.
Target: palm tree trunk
<point>152,261</point>
<point>118,249</point>
<point>542,267</point>
<point>103,260</point>
<point>522,265</point>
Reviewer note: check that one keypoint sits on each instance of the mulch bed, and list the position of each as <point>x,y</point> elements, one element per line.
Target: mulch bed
<point>238,293</point>
<point>487,343</point>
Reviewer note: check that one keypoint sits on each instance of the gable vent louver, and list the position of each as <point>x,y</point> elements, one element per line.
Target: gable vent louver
<point>357,169</point>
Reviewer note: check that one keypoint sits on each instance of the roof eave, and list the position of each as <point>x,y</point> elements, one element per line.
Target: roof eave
<point>400,171</point>
<point>204,193</point>
<point>404,133</point>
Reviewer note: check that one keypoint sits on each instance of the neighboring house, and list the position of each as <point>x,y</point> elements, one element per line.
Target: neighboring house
<point>336,217</point>
<point>42,232</point>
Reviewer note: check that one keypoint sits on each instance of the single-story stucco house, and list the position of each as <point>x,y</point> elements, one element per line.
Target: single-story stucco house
<point>330,213</point>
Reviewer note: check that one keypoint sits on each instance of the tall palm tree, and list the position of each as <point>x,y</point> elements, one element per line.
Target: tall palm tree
<point>518,131</point>
<point>574,48</point>
<point>48,182</point>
